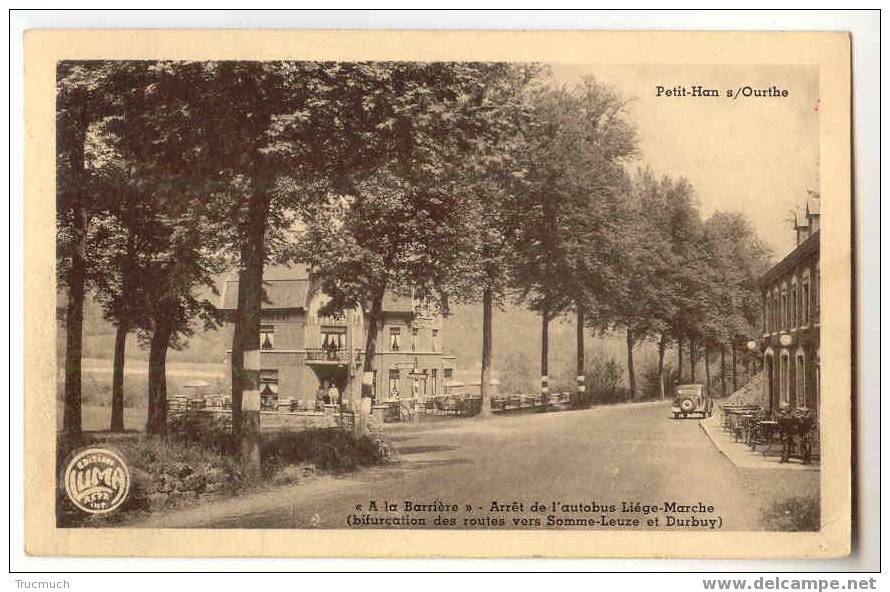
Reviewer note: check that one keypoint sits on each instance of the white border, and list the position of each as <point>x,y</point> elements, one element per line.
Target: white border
<point>865,29</point>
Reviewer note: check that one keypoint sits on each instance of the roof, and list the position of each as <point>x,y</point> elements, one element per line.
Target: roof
<point>288,287</point>
<point>280,294</point>
<point>395,303</point>
<point>806,248</point>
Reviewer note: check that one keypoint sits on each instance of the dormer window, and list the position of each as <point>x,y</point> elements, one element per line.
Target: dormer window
<point>423,307</point>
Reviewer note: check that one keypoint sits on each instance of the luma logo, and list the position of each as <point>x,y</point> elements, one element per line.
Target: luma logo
<point>97,480</point>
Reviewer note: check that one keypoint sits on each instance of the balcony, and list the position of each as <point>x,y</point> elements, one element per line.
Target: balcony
<point>325,357</point>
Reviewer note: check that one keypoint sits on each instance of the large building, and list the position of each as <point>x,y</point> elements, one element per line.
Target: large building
<point>790,299</point>
<point>303,353</point>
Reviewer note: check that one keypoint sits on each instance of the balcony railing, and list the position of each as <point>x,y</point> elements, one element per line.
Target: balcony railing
<point>319,354</point>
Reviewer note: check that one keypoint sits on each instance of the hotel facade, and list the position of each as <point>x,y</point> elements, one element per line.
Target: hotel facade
<point>791,313</point>
<point>303,354</point>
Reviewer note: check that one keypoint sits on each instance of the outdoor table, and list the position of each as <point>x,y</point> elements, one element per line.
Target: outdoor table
<point>768,431</point>
<point>732,410</point>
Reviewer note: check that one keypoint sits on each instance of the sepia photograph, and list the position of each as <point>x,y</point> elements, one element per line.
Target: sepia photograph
<point>465,295</point>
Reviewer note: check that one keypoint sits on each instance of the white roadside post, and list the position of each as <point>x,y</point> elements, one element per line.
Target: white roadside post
<point>250,412</point>
<point>364,411</point>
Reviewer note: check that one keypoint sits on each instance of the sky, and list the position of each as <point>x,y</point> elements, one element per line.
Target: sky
<point>757,155</point>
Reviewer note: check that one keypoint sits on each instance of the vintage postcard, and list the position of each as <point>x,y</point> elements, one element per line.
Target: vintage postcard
<point>432,294</point>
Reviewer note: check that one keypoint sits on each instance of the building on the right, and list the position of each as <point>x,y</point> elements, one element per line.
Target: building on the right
<point>790,304</point>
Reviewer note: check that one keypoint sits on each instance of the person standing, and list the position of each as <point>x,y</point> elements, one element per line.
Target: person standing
<point>334,394</point>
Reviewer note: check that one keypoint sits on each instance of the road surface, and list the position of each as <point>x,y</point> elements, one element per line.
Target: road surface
<point>584,461</point>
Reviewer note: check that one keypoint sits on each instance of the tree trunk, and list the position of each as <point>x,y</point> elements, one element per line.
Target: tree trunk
<point>117,380</point>
<point>734,379</point>
<point>71,139</point>
<point>631,376</point>
<point>692,359</point>
<point>662,345</point>
<point>485,379</point>
<point>157,376</point>
<point>679,359</point>
<point>364,410</point>
<point>545,344</point>
<point>71,419</point>
<point>708,370</point>
<point>245,360</point>
<point>723,369</point>
<point>579,363</point>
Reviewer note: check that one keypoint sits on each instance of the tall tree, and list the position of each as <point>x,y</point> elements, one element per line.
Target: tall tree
<point>738,258</point>
<point>488,179</point>
<point>83,96</point>
<point>176,286</point>
<point>576,142</point>
<point>394,220</point>
<point>117,244</point>
<point>233,129</point>
<point>643,303</point>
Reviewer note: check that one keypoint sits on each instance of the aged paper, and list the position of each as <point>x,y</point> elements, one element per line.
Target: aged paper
<point>741,139</point>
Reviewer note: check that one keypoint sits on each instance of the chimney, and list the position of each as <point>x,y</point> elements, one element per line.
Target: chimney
<point>803,229</point>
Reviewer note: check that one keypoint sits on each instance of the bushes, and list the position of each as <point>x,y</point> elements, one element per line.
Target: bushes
<point>198,462</point>
<point>329,449</point>
<point>210,431</point>
<point>650,388</point>
<point>164,474</point>
<point>605,380</point>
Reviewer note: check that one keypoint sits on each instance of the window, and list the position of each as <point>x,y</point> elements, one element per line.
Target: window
<point>413,339</point>
<point>447,373</point>
<point>805,303</point>
<point>783,311</point>
<point>816,295</point>
<point>422,307</point>
<point>800,374</point>
<point>765,309</point>
<point>267,337</point>
<point>793,306</point>
<point>268,388</point>
<point>434,384</point>
<point>394,383</point>
<point>333,339</point>
<point>435,340</point>
<point>333,318</point>
<point>783,377</point>
<point>395,335</point>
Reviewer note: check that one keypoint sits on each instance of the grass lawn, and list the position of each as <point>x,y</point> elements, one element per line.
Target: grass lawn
<point>96,417</point>
<point>96,389</point>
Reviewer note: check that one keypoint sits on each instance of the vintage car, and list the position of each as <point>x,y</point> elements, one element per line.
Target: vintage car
<point>691,399</point>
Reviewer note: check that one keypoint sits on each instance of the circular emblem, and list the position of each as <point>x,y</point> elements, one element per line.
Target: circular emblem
<point>97,480</point>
